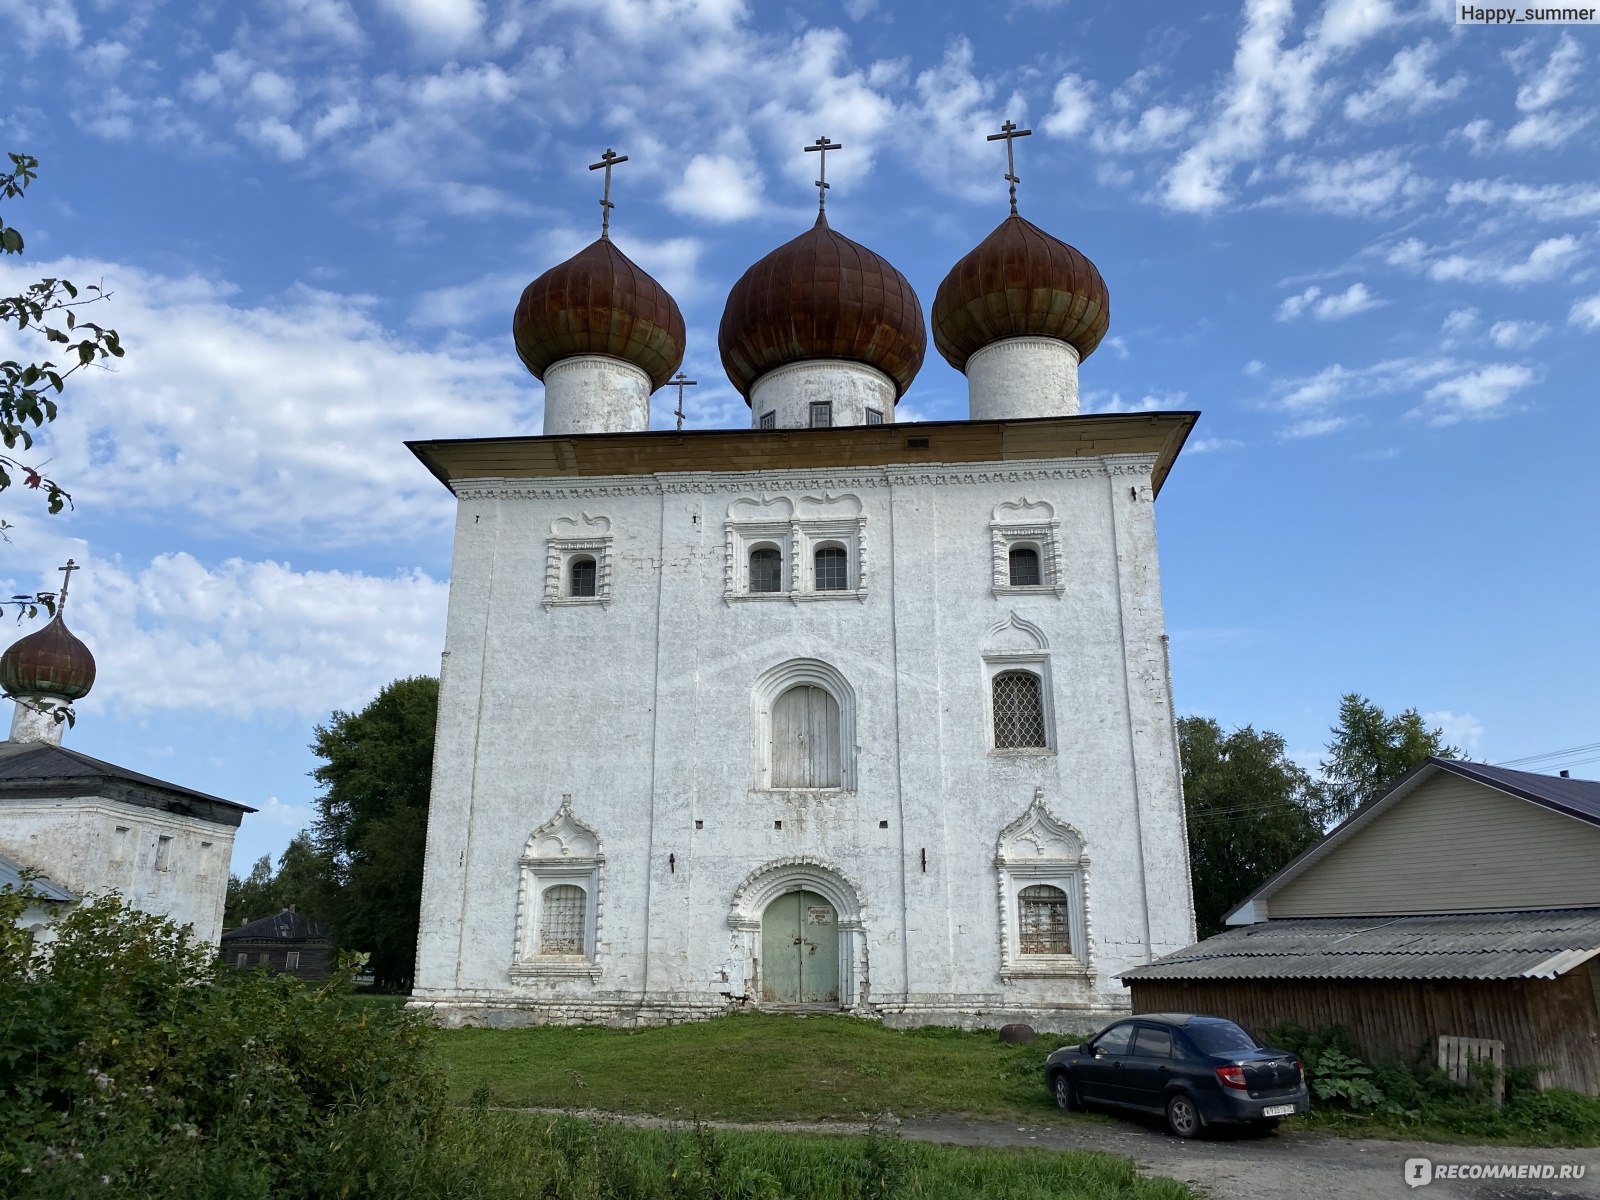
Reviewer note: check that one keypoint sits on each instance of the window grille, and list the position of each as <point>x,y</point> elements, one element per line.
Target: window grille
<point>766,570</point>
<point>769,420</point>
<point>1018,711</point>
<point>561,920</point>
<point>874,417</point>
<point>1042,920</point>
<point>1025,567</point>
<point>583,576</point>
<point>821,414</point>
<point>833,569</point>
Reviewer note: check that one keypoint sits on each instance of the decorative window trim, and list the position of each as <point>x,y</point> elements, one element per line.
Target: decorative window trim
<point>1039,848</point>
<point>568,541</point>
<point>563,850</point>
<point>1038,663</point>
<point>1030,523</point>
<point>775,682</point>
<point>798,537</point>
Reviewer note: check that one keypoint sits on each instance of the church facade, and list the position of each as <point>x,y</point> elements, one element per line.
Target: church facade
<point>825,714</point>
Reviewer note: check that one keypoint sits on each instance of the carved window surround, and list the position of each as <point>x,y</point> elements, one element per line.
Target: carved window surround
<point>797,530</point>
<point>1025,523</point>
<point>1017,644</point>
<point>571,539</point>
<point>1039,848</point>
<point>561,851</point>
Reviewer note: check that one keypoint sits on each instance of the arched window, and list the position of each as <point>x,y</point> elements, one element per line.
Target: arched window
<point>1043,920</point>
<point>561,920</point>
<point>766,570</point>
<point>583,576</point>
<point>805,739</point>
<point>1025,567</point>
<point>1018,712</point>
<point>832,569</point>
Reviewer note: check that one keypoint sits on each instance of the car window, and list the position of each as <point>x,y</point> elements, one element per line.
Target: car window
<point>1219,1037</point>
<point>1114,1040</point>
<point>1152,1042</point>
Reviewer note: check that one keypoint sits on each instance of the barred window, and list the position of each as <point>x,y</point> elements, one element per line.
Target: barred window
<point>769,420</point>
<point>561,914</point>
<point>1018,711</point>
<point>583,576</point>
<point>1042,920</point>
<point>833,569</point>
<point>1025,567</point>
<point>766,570</point>
<point>821,414</point>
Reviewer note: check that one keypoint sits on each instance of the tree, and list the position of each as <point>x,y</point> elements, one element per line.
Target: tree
<point>373,819</point>
<point>28,391</point>
<point>1371,750</point>
<point>1250,810</point>
<point>303,882</point>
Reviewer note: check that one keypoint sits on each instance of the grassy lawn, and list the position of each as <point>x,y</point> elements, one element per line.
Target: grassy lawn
<point>754,1068</point>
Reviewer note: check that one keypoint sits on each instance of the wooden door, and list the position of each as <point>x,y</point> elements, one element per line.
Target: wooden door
<point>800,950</point>
<point>805,739</point>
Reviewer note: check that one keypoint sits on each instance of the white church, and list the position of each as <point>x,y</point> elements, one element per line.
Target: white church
<point>822,714</point>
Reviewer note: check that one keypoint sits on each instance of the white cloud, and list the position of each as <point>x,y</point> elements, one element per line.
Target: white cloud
<point>958,111</point>
<point>1311,427</point>
<point>1335,306</point>
<point>1157,127</point>
<point>1101,402</point>
<point>1406,88</point>
<point>276,136</point>
<point>716,187</point>
<point>1211,445</point>
<point>1461,322</point>
<point>1072,106</point>
<point>1461,730</point>
<point>447,22</point>
<point>1545,130</point>
<point>1479,135</point>
<point>325,20</point>
<point>1585,314</point>
<point>1517,335</point>
<point>1542,202</point>
<point>1550,259</point>
<point>1551,81</point>
<point>1363,186</point>
<point>273,811</point>
<point>1475,395</point>
<point>1254,368</point>
<point>36,26</point>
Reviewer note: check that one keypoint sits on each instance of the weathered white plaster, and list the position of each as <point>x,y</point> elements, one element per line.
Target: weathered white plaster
<point>646,712</point>
<point>34,719</point>
<point>594,393</point>
<point>1023,377</point>
<point>850,387</point>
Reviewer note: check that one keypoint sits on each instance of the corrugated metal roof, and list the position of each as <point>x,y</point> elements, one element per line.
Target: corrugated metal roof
<point>286,925</point>
<point>21,761</point>
<point>1576,797</point>
<point>11,876</point>
<point>1514,945</point>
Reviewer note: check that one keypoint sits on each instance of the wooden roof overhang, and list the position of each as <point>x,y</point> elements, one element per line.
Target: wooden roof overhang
<point>700,451</point>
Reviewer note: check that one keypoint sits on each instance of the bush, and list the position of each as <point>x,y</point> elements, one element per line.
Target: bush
<point>132,1063</point>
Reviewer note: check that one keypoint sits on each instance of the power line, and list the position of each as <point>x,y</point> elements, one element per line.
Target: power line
<point>1529,758</point>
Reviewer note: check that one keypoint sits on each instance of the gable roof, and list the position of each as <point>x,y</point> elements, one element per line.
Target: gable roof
<point>1507,945</point>
<point>284,926</point>
<point>1576,798</point>
<point>46,889</point>
<point>24,762</point>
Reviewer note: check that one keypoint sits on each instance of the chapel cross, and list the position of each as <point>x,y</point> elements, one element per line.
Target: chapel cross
<point>607,160</point>
<point>680,382</point>
<point>66,578</point>
<point>1010,133</point>
<point>821,147</point>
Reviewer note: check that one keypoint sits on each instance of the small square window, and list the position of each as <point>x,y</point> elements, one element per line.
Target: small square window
<point>777,824</point>
<point>163,853</point>
<point>821,414</point>
<point>874,417</point>
<point>699,824</point>
<point>769,420</point>
<point>883,824</point>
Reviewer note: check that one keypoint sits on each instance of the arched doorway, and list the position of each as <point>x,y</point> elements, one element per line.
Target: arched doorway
<point>800,950</point>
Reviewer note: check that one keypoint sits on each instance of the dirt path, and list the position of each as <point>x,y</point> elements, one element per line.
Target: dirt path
<point>1288,1163</point>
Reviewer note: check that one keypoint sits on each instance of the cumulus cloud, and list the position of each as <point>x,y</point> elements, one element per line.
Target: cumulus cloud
<point>1461,730</point>
<point>439,22</point>
<point>1517,335</point>
<point>715,187</point>
<point>1547,82</point>
<point>1334,306</point>
<point>1475,395</point>
<point>1072,106</point>
<point>1549,259</point>
<point>1461,322</point>
<point>1585,314</point>
<point>958,110</point>
<point>1405,88</point>
<point>35,25</point>
<point>1311,427</point>
<point>1362,186</point>
<point>1543,202</point>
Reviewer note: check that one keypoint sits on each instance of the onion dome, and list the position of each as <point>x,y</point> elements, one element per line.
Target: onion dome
<point>1019,282</point>
<point>822,296</point>
<point>599,302</point>
<point>50,662</point>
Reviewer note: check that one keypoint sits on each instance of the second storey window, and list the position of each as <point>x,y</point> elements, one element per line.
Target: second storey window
<point>1024,562</point>
<point>821,414</point>
<point>832,569</point>
<point>874,417</point>
<point>805,739</point>
<point>769,420</point>
<point>766,570</point>
<point>583,576</point>
<point>1018,711</point>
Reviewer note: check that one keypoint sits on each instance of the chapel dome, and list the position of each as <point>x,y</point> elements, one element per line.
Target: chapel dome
<point>599,302</point>
<point>822,296</point>
<point>1019,282</point>
<point>49,662</point>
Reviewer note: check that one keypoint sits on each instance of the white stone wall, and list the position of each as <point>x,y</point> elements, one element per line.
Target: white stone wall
<point>76,842</point>
<point>850,387</point>
<point>595,393</point>
<point>1022,377</point>
<point>640,706</point>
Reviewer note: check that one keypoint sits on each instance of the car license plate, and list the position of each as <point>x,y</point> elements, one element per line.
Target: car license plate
<point>1278,1110</point>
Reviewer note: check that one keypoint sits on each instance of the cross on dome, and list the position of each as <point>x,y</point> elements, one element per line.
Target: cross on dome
<point>607,160</point>
<point>680,383</point>
<point>1010,133</point>
<point>821,147</point>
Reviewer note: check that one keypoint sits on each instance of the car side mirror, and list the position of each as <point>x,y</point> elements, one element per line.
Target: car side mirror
<point>1086,1049</point>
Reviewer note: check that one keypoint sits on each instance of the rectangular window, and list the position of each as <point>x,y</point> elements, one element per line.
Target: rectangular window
<point>1043,920</point>
<point>265,959</point>
<point>292,960</point>
<point>874,417</point>
<point>163,853</point>
<point>242,961</point>
<point>119,847</point>
<point>821,414</point>
<point>561,924</point>
<point>769,420</point>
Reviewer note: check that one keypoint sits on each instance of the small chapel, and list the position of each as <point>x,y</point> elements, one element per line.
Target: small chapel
<point>827,713</point>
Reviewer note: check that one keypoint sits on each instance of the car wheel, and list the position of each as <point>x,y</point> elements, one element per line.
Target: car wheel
<point>1183,1118</point>
<point>1061,1088</point>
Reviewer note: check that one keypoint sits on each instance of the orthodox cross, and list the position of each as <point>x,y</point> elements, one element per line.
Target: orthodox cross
<point>66,578</point>
<point>1010,133</point>
<point>607,160</point>
<point>821,147</point>
<point>680,382</point>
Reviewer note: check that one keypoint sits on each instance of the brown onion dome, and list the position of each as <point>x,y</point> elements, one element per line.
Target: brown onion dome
<point>822,296</point>
<point>1019,282</point>
<point>599,302</point>
<point>51,662</point>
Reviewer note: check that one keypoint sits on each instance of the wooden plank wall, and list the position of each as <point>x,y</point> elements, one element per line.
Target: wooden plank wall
<point>1553,1023</point>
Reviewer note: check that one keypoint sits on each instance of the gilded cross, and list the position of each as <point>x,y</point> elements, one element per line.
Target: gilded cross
<point>821,147</point>
<point>607,160</point>
<point>66,578</point>
<point>680,383</point>
<point>1010,133</point>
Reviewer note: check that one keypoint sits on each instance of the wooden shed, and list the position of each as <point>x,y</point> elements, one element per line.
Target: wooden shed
<point>1464,902</point>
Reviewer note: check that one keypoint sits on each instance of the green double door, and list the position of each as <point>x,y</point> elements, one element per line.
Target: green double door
<point>800,950</point>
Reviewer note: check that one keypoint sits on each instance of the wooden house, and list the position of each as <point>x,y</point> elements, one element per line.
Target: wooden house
<point>285,941</point>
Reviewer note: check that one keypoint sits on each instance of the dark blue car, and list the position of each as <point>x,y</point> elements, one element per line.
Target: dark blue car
<point>1195,1071</point>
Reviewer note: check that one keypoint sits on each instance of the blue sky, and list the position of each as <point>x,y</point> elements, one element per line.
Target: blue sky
<point>1360,239</point>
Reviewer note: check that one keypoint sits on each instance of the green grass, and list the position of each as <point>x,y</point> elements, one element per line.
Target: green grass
<point>754,1068</point>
